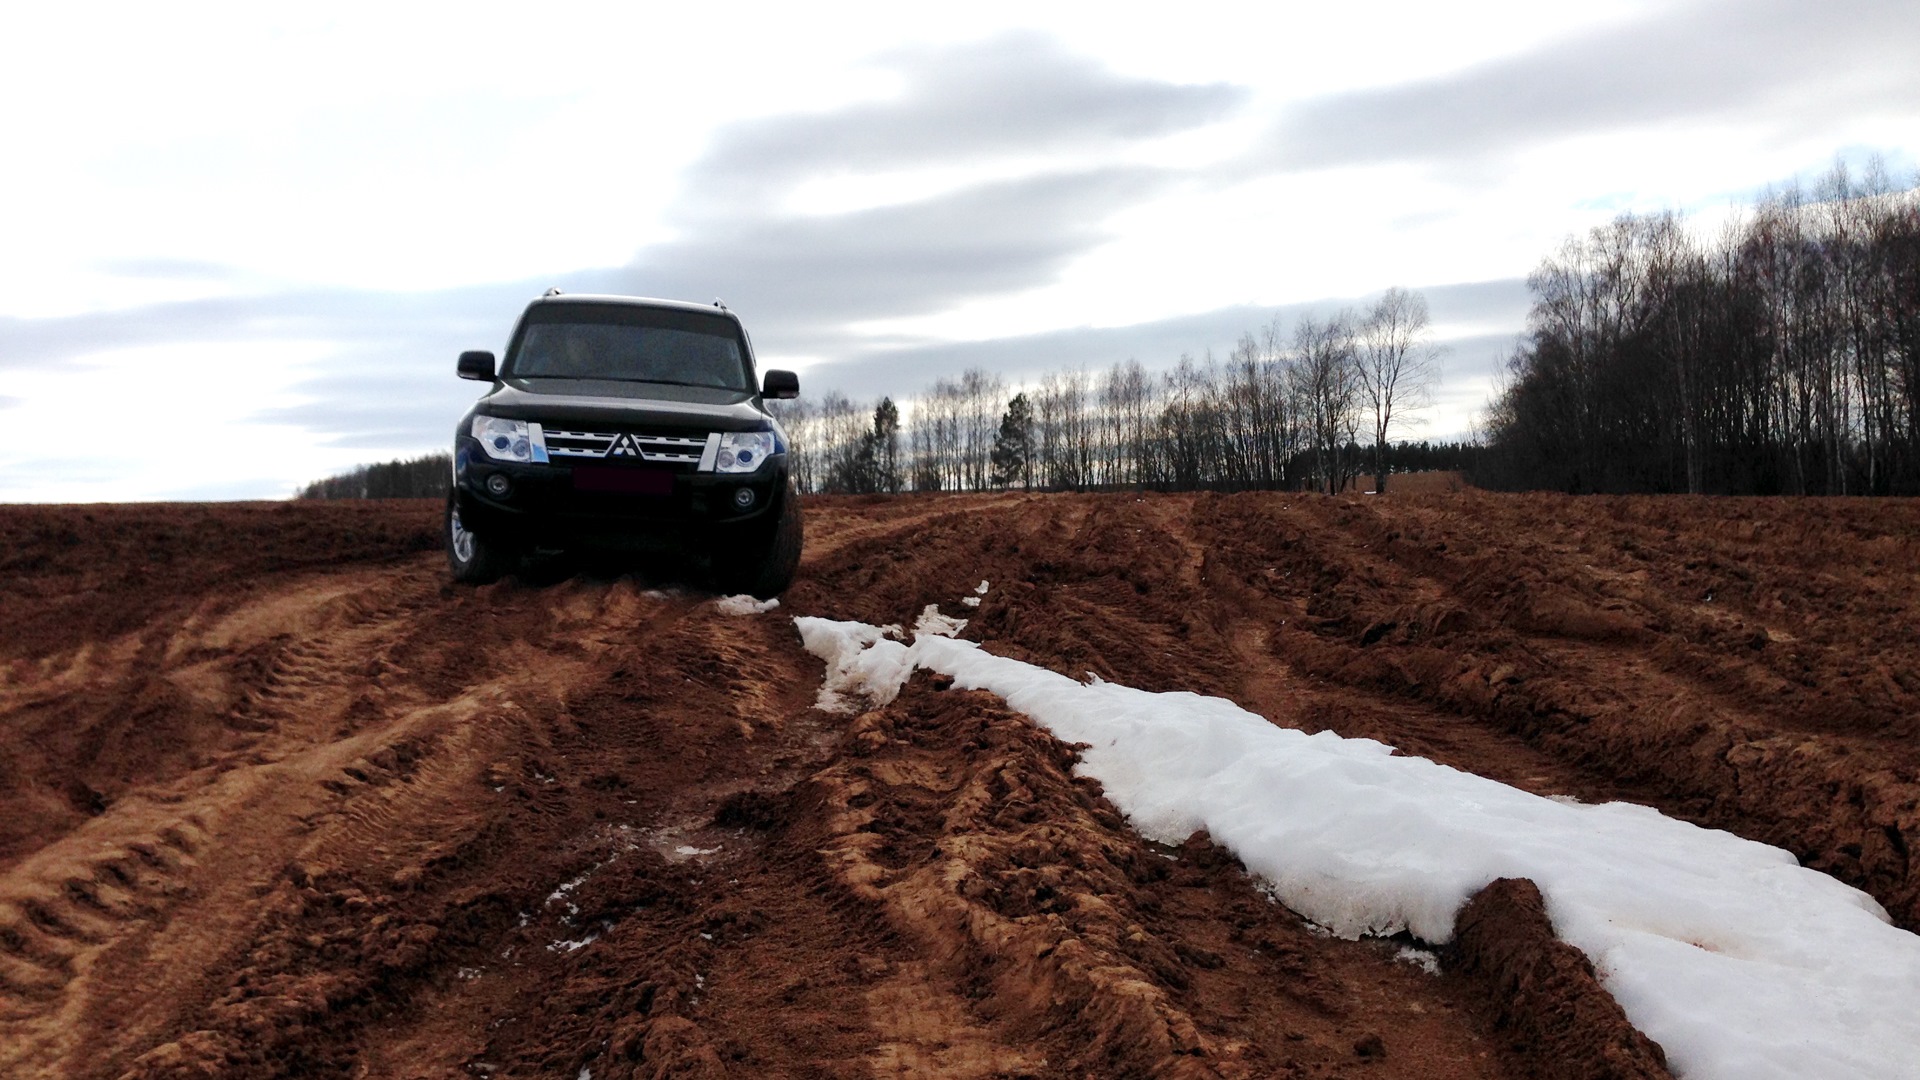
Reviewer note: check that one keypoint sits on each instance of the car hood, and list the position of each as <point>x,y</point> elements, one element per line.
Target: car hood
<point>554,402</point>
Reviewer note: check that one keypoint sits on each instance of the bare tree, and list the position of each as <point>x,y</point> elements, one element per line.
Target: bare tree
<point>1396,364</point>
<point>982,395</point>
<point>1327,386</point>
<point>1127,421</point>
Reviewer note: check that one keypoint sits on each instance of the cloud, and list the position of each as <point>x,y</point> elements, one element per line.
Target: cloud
<point>1016,94</point>
<point>802,279</point>
<point>1723,59</point>
<point>1480,303</point>
<point>348,317</point>
<point>173,269</point>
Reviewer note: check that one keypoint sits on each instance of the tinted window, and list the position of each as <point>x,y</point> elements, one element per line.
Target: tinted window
<point>636,344</point>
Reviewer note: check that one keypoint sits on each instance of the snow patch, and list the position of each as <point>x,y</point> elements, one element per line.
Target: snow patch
<point>568,886</point>
<point>1426,961</point>
<point>1737,960</point>
<point>862,662</point>
<point>932,622</point>
<point>970,601</point>
<point>742,604</point>
<point>981,588</point>
<point>565,948</point>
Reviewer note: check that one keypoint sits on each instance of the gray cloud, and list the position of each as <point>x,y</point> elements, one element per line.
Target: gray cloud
<point>804,277</point>
<point>1774,58</point>
<point>173,269</point>
<point>1500,303</point>
<point>1014,94</point>
<point>349,317</point>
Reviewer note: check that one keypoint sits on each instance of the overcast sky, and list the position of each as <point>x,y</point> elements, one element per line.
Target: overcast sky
<point>240,247</point>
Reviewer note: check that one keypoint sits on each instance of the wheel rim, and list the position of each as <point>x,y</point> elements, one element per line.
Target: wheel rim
<point>462,539</point>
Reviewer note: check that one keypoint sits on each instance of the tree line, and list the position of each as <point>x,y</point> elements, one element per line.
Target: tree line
<point>1314,407</point>
<point>1780,357</point>
<point>415,478</point>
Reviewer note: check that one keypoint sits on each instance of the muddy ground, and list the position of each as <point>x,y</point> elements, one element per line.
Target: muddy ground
<point>276,799</point>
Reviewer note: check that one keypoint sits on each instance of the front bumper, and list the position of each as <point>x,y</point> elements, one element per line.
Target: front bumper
<point>610,503</point>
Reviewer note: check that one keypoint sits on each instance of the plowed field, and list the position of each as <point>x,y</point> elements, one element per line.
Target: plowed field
<point>276,799</point>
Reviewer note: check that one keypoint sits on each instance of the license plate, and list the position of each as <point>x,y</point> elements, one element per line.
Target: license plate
<point>619,480</point>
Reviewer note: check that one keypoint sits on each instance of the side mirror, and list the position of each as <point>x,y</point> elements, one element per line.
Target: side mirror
<point>476,364</point>
<point>780,384</point>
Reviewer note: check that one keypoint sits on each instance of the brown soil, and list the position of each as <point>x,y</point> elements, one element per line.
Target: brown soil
<point>1544,993</point>
<point>277,799</point>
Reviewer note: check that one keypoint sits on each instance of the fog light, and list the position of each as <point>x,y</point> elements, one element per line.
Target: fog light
<point>743,498</point>
<point>497,485</point>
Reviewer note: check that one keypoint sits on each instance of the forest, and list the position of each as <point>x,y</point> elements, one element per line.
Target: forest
<point>1781,356</point>
<point>1313,407</point>
<point>423,477</point>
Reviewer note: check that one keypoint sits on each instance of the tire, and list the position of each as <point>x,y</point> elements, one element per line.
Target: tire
<point>475,560</point>
<point>763,562</point>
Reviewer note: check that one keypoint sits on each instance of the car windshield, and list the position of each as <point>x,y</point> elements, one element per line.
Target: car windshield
<point>630,343</point>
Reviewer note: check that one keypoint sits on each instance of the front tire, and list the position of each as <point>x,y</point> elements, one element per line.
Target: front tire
<point>763,563</point>
<point>475,560</point>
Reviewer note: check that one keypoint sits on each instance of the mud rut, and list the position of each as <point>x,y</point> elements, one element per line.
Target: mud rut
<point>324,814</point>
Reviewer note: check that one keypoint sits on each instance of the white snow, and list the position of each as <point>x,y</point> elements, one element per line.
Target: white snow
<point>566,887</point>
<point>932,622</point>
<point>981,588</point>
<point>862,661</point>
<point>970,601</point>
<point>742,604</point>
<point>1426,961</point>
<point>1737,960</point>
<point>564,947</point>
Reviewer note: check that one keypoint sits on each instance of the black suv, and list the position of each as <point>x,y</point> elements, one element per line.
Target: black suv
<point>630,425</point>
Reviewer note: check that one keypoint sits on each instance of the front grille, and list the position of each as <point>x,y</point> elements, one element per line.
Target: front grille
<point>627,446</point>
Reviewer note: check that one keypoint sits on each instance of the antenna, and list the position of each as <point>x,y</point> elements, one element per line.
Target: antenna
<point>555,291</point>
<point>719,303</point>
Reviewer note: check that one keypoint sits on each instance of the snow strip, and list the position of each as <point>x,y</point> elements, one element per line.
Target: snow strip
<point>1737,960</point>
<point>743,604</point>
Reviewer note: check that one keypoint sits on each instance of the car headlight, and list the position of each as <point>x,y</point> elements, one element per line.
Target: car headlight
<point>743,451</point>
<point>510,440</point>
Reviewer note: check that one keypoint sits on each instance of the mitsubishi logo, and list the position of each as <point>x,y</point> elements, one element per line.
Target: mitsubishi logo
<point>624,446</point>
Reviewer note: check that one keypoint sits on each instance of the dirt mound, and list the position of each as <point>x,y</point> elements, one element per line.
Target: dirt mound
<point>1544,992</point>
<point>279,801</point>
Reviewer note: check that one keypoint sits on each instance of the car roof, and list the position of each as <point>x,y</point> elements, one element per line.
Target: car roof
<point>633,301</point>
